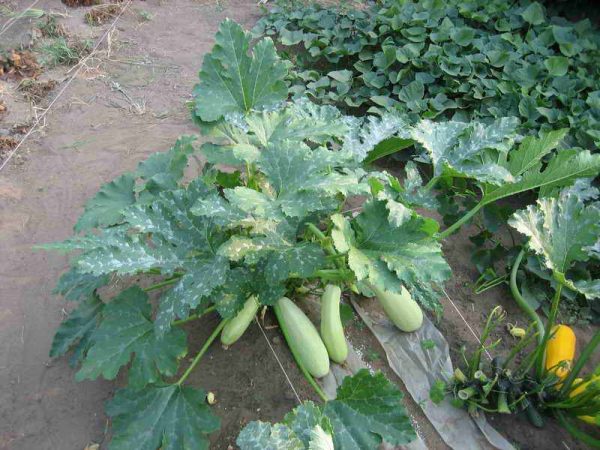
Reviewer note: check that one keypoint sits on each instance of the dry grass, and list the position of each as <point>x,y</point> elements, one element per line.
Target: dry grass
<point>101,14</point>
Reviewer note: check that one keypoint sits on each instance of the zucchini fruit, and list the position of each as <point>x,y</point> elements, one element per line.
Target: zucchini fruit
<point>235,328</point>
<point>580,389</point>
<point>402,310</point>
<point>332,330</point>
<point>302,338</point>
<point>560,351</point>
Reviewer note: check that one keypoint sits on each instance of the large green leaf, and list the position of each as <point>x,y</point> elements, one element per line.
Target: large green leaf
<point>472,150</point>
<point>106,207</point>
<point>563,230</point>
<point>389,255</point>
<point>127,329</point>
<point>366,412</point>
<point>168,417</point>
<point>232,81</point>
<point>563,169</point>
<point>77,330</point>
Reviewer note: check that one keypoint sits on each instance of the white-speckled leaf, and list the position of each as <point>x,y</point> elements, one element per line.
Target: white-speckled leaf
<point>390,256</point>
<point>364,135</point>
<point>193,289</point>
<point>562,229</point>
<point>472,150</point>
<point>264,436</point>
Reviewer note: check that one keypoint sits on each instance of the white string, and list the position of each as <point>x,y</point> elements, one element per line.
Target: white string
<point>79,65</point>
<point>9,23</point>
<point>278,361</point>
<point>467,324</point>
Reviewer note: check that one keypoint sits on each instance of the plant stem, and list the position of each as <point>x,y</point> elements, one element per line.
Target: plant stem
<point>583,358</point>
<point>194,316</point>
<point>303,369</point>
<point>541,350</point>
<point>202,351</point>
<point>318,233</point>
<point>576,432</point>
<point>431,184</point>
<point>527,309</point>
<point>460,222</point>
<point>163,283</point>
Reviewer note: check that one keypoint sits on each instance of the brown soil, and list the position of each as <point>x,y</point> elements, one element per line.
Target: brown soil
<point>93,134</point>
<point>35,91</point>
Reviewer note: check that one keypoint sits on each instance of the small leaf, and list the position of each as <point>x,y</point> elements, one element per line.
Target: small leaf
<point>534,14</point>
<point>557,65</point>
<point>437,393</point>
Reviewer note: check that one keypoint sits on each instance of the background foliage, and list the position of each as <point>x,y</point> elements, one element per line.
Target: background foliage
<point>447,58</point>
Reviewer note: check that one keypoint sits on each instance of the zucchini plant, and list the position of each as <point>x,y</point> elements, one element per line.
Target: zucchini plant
<point>264,216</point>
<point>562,230</point>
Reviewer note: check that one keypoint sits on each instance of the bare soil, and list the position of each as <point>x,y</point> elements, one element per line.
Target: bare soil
<point>127,102</point>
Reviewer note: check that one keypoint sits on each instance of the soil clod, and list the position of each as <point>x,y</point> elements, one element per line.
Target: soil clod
<point>18,65</point>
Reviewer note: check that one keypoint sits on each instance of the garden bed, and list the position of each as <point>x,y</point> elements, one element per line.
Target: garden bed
<point>127,102</point>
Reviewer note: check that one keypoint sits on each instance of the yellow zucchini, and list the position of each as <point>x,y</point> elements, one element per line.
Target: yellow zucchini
<point>579,390</point>
<point>560,350</point>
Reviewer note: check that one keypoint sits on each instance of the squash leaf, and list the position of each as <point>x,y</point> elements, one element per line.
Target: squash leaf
<point>127,328</point>
<point>563,230</point>
<point>232,81</point>
<point>169,417</point>
<point>389,255</point>
<point>366,412</point>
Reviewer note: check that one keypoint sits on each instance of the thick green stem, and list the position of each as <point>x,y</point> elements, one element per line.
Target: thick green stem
<point>527,309</point>
<point>194,316</point>
<point>305,372</point>
<point>581,361</point>
<point>459,223</point>
<point>202,351</point>
<point>489,326</point>
<point>163,283</point>
<point>541,350</point>
<point>431,184</point>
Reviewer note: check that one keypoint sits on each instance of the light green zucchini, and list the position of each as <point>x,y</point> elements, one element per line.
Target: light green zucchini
<point>302,337</point>
<point>235,328</point>
<point>402,310</point>
<point>332,330</point>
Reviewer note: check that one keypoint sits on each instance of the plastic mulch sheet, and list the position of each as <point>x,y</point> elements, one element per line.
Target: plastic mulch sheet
<point>419,369</point>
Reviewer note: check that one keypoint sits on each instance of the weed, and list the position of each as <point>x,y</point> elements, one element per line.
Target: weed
<point>145,16</point>
<point>50,28</point>
<point>61,51</point>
